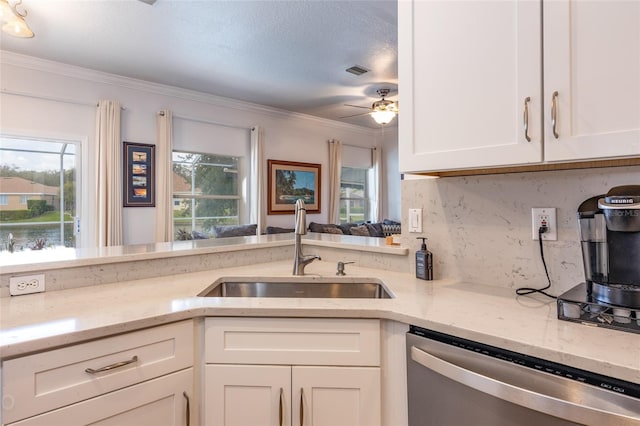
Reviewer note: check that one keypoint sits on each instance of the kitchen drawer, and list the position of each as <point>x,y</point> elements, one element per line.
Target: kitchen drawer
<point>157,402</point>
<point>41,382</point>
<point>293,341</point>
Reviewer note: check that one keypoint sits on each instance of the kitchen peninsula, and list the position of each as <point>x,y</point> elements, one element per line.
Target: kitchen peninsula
<point>41,322</point>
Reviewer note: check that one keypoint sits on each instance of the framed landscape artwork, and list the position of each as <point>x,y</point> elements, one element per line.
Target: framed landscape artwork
<point>139,175</point>
<point>288,181</point>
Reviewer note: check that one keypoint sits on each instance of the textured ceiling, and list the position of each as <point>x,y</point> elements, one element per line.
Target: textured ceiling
<point>290,55</point>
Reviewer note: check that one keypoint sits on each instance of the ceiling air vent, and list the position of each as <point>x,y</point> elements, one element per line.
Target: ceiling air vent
<point>357,70</point>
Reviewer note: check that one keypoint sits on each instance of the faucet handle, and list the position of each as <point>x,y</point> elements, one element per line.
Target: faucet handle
<point>341,267</point>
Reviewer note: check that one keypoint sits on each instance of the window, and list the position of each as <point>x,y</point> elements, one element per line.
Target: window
<point>39,187</point>
<point>358,191</point>
<point>206,192</point>
<point>354,201</point>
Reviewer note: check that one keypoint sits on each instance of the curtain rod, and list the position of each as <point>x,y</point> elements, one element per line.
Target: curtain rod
<point>202,120</point>
<point>354,146</point>
<point>50,98</point>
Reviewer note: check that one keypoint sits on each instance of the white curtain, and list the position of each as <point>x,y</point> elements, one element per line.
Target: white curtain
<point>109,171</point>
<point>335,169</point>
<point>258,206</point>
<point>376,185</point>
<point>164,176</point>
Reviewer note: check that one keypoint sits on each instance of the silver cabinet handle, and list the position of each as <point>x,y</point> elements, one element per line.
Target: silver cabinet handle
<point>554,114</point>
<point>301,406</point>
<point>112,366</point>
<point>575,412</point>
<point>280,410</point>
<point>526,118</point>
<point>188,415</point>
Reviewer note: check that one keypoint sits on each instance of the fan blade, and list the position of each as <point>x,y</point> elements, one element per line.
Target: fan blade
<point>149,2</point>
<point>357,106</point>
<point>355,115</point>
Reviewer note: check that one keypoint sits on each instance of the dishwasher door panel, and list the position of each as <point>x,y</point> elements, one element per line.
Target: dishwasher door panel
<point>453,382</point>
<point>435,400</point>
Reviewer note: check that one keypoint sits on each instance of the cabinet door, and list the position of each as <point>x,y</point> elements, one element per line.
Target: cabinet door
<point>592,61</point>
<point>465,70</point>
<point>158,402</point>
<point>247,395</point>
<point>336,396</point>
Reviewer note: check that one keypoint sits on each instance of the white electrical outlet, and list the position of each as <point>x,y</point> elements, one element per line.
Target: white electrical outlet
<point>545,216</point>
<point>26,284</point>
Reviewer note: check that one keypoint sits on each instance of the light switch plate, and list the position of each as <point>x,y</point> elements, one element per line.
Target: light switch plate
<point>415,220</point>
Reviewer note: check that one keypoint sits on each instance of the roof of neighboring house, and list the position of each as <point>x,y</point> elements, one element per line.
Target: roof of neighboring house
<point>182,185</point>
<point>18,185</point>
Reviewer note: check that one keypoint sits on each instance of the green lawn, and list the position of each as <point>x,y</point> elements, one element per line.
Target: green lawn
<point>47,217</point>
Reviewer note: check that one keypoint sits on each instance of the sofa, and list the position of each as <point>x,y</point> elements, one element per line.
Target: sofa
<point>366,229</point>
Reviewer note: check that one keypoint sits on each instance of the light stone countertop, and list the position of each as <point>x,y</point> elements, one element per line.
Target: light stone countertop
<point>487,314</point>
<point>33,261</point>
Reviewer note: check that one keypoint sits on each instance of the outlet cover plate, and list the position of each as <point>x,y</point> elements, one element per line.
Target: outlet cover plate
<point>26,284</point>
<point>415,220</point>
<point>547,214</point>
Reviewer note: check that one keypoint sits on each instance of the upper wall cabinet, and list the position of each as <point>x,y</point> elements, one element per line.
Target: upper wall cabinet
<point>471,83</point>
<point>592,65</point>
<point>470,86</point>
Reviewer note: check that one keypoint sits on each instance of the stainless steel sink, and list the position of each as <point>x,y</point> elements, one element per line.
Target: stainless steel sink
<point>315,288</point>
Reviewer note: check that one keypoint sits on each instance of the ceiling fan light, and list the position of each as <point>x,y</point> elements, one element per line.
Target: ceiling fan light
<point>18,28</point>
<point>6,14</point>
<point>383,117</point>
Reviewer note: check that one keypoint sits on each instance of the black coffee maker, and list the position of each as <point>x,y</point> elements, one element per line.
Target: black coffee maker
<point>610,237</point>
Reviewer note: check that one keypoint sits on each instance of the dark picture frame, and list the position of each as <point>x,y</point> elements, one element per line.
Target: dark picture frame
<point>139,175</point>
<point>288,181</point>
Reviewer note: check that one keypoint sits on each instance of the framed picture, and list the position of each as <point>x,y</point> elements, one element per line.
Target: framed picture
<point>139,175</point>
<point>289,181</point>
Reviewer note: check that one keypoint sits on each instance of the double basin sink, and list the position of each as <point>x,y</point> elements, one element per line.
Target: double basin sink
<point>304,287</point>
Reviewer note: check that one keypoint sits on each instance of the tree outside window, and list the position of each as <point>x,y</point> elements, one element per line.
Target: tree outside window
<point>206,192</point>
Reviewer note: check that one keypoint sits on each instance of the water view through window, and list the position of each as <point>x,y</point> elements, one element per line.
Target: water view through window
<point>37,194</point>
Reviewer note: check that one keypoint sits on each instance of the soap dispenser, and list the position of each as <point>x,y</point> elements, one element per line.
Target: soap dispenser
<point>424,262</point>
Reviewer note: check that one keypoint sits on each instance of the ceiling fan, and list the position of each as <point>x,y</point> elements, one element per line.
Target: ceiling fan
<point>382,111</point>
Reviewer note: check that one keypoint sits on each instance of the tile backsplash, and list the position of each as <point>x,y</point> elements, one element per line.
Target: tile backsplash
<point>479,227</point>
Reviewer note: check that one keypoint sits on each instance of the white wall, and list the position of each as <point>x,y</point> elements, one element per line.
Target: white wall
<point>287,136</point>
<point>479,227</point>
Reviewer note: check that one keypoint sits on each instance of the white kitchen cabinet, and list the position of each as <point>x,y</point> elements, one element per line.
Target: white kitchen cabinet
<point>466,70</point>
<point>164,401</point>
<point>326,371</point>
<point>78,375</point>
<point>469,75</point>
<point>592,62</point>
<point>283,395</point>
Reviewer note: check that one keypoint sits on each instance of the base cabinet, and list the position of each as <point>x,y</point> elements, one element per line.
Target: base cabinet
<point>292,371</point>
<point>292,395</point>
<point>143,377</point>
<point>160,402</point>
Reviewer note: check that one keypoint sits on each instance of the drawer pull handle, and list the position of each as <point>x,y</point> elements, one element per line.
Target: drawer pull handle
<point>112,366</point>
<point>186,396</point>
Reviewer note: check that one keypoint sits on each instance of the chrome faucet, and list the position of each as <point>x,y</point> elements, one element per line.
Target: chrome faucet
<point>300,260</point>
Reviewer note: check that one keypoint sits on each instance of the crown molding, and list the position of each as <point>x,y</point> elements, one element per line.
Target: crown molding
<point>73,71</point>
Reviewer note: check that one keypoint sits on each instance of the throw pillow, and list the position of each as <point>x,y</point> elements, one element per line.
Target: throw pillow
<point>360,230</point>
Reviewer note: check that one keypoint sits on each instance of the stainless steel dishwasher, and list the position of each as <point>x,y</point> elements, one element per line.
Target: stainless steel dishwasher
<point>457,382</point>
